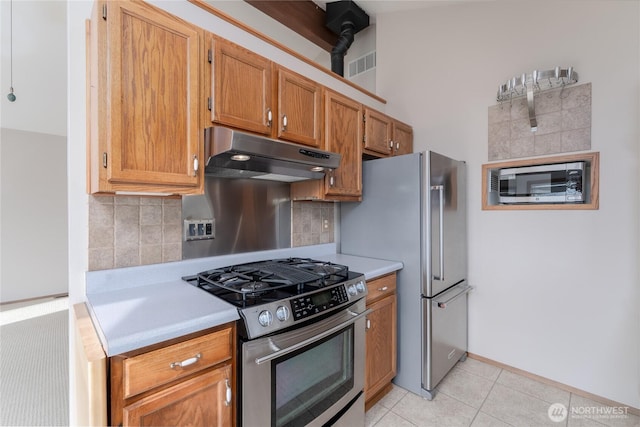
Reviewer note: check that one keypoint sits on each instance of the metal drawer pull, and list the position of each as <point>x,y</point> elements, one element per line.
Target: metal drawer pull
<point>227,401</point>
<point>464,291</point>
<point>383,289</point>
<point>185,363</point>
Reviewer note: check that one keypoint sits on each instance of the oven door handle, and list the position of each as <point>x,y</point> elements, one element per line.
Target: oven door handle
<point>303,343</point>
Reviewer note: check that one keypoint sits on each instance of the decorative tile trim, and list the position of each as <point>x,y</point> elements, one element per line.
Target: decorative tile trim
<point>564,124</point>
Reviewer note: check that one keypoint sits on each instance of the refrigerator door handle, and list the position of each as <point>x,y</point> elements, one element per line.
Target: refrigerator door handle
<point>465,290</point>
<point>440,190</point>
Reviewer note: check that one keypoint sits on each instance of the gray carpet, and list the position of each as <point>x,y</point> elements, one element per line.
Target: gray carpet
<point>34,371</point>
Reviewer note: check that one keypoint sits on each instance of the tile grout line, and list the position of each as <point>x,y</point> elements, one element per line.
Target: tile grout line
<point>485,399</point>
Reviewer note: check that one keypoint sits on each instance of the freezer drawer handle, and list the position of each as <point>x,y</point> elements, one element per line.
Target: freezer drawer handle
<point>440,189</point>
<point>464,291</point>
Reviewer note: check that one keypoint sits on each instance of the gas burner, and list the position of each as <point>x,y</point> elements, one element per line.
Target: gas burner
<point>272,280</point>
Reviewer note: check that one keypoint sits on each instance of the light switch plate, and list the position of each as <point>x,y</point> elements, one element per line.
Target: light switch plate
<point>199,229</point>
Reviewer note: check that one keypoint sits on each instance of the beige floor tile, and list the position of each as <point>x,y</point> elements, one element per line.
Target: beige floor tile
<point>479,368</point>
<point>441,411</point>
<point>584,412</point>
<point>393,397</point>
<point>534,388</point>
<point>394,420</point>
<point>516,408</point>
<point>485,420</point>
<point>374,414</point>
<point>465,387</point>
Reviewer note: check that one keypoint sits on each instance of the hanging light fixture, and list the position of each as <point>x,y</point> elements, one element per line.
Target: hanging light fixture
<point>530,84</point>
<point>11,96</point>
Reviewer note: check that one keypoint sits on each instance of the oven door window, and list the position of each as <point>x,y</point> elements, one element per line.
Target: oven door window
<point>306,383</point>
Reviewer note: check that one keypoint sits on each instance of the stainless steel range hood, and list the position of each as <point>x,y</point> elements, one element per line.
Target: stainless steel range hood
<point>234,154</point>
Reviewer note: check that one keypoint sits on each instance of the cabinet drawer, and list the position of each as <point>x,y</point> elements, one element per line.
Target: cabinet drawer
<point>381,287</point>
<point>152,369</point>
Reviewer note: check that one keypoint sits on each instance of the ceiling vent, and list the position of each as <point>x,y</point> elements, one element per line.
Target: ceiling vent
<point>344,18</point>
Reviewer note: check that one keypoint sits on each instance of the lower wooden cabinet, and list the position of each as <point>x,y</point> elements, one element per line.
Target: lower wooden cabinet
<point>200,401</point>
<point>184,382</point>
<point>381,338</point>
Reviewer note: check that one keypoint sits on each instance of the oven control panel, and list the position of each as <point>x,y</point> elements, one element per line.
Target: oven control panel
<point>318,302</point>
<point>275,316</point>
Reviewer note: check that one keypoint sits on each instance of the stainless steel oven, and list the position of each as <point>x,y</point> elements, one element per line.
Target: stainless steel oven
<point>309,376</point>
<point>301,340</point>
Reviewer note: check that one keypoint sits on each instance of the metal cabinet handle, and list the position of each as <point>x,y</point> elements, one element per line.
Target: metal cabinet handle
<point>331,178</point>
<point>284,122</point>
<point>186,362</point>
<point>269,117</point>
<point>383,289</point>
<point>227,400</point>
<point>196,165</point>
<point>440,189</point>
<point>368,324</point>
<point>397,147</point>
<point>390,145</point>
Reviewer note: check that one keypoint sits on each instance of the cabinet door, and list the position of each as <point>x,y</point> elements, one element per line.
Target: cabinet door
<point>402,139</point>
<point>380,346</point>
<point>378,131</point>
<point>200,401</point>
<point>299,108</point>
<point>241,88</point>
<point>343,133</point>
<point>152,94</point>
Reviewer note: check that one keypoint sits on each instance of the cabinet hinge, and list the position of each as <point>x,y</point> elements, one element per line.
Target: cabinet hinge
<point>210,56</point>
<point>209,103</point>
<point>104,160</point>
<point>364,118</point>
<point>104,11</point>
<point>364,138</point>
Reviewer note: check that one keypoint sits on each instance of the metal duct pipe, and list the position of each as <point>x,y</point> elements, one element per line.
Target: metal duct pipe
<point>345,19</point>
<point>347,34</point>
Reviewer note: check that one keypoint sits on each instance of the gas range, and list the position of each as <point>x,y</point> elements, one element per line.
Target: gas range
<point>275,295</point>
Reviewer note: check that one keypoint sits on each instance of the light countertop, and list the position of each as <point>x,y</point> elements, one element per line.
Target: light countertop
<point>139,306</point>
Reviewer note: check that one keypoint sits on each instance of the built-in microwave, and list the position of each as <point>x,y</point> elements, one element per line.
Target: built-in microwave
<point>550,183</point>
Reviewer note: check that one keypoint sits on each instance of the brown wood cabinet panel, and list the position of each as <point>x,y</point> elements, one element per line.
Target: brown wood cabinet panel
<point>160,395</point>
<point>241,93</point>
<point>200,401</point>
<point>377,132</point>
<point>299,108</point>
<point>144,93</point>
<point>380,346</point>
<point>343,133</point>
<point>381,287</point>
<point>402,137</point>
<point>149,370</point>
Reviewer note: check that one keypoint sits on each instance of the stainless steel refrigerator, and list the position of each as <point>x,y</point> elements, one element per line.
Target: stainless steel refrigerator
<point>413,210</point>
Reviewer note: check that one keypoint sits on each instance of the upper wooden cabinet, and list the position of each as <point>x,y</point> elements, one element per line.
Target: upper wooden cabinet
<point>241,87</point>
<point>144,101</point>
<point>402,138</point>
<point>342,134</point>
<point>249,92</point>
<point>299,108</point>
<point>385,136</point>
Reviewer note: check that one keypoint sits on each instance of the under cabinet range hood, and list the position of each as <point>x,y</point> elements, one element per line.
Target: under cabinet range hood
<point>234,154</point>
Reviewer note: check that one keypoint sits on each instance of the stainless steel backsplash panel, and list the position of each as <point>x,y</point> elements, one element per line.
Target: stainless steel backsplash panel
<point>250,215</point>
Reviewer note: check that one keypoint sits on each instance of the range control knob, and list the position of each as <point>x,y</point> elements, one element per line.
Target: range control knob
<point>265,318</point>
<point>282,313</point>
<point>351,289</point>
<point>361,287</point>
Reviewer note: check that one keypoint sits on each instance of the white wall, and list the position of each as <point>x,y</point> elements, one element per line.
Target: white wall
<point>33,208</point>
<point>557,292</point>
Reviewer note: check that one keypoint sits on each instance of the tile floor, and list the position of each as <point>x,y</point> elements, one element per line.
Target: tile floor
<point>478,394</point>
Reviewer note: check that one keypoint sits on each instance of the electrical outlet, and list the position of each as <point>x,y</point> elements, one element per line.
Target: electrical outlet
<point>199,229</point>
